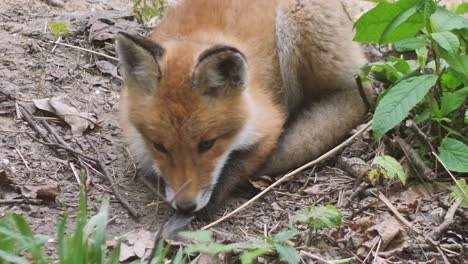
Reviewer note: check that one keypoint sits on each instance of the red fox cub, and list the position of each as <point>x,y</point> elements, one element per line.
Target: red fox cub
<point>224,90</point>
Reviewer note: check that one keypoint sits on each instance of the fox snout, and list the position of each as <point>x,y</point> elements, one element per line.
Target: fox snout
<point>189,198</point>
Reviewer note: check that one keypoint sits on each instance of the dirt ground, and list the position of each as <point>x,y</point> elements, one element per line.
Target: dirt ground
<point>31,67</point>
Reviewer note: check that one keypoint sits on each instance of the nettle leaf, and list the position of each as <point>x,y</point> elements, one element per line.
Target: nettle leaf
<point>410,44</point>
<point>457,192</point>
<point>399,100</point>
<point>251,257</point>
<point>447,41</point>
<point>444,20</point>
<point>454,154</point>
<point>320,217</point>
<point>429,7</point>
<point>392,167</point>
<point>202,236</point>
<point>288,253</point>
<point>285,236</point>
<point>422,53</point>
<point>453,101</point>
<point>450,81</point>
<point>389,22</point>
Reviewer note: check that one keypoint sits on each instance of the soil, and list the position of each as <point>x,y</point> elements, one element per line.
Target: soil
<point>32,67</point>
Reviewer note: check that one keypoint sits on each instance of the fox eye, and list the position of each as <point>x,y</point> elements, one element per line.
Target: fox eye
<point>160,148</point>
<point>205,145</point>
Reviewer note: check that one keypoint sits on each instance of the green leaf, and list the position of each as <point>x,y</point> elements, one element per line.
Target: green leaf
<point>58,28</point>
<point>211,249</point>
<point>450,81</point>
<point>401,65</point>
<point>251,257</point>
<point>399,100</point>
<point>319,217</point>
<point>392,167</point>
<point>288,253</point>
<point>453,101</point>
<point>454,154</point>
<point>11,258</point>
<point>389,22</point>
<point>285,236</point>
<point>179,257</point>
<point>462,9</point>
<point>447,41</point>
<point>458,63</point>
<point>202,236</point>
<point>422,56</point>
<point>410,44</point>
<point>429,7</point>
<point>444,20</point>
<point>457,192</point>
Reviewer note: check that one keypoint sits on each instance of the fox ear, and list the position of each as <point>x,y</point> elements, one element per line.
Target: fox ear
<point>221,71</point>
<point>138,57</point>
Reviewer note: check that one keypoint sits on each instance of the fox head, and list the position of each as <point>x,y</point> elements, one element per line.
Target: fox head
<point>189,104</point>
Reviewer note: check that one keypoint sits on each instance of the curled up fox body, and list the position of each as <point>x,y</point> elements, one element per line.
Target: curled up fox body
<point>224,90</point>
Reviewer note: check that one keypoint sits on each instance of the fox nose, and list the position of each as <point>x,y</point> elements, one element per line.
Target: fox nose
<point>186,206</point>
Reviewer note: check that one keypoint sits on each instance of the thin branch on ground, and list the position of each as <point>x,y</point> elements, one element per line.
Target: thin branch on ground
<point>84,49</point>
<point>398,215</point>
<point>448,219</point>
<point>291,174</point>
<point>315,257</point>
<point>415,160</point>
<point>420,134</point>
<point>112,184</point>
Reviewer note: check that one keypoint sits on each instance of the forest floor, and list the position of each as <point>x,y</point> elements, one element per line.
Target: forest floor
<point>37,75</point>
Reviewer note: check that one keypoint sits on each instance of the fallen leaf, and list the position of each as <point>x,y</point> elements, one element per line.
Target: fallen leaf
<point>5,181</point>
<point>78,121</point>
<point>107,67</point>
<point>391,233</point>
<point>105,29</point>
<point>141,241</point>
<point>313,190</point>
<point>46,192</point>
<point>126,252</point>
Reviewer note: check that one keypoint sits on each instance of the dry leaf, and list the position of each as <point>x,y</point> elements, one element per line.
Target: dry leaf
<point>78,121</point>
<point>107,67</point>
<point>5,181</point>
<point>126,252</point>
<point>46,192</point>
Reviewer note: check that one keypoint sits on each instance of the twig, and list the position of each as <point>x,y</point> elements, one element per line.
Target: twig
<point>362,93</point>
<point>21,201</point>
<point>398,215</point>
<point>291,174</point>
<point>357,191</point>
<point>310,255</point>
<point>448,219</point>
<point>413,156</point>
<point>84,49</point>
<point>420,134</point>
<point>22,158</point>
<point>451,175</point>
<point>113,186</point>
<point>75,173</point>
<point>55,46</point>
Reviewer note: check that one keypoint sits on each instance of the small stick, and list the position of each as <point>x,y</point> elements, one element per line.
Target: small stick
<point>75,173</point>
<point>84,49</point>
<point>413,156</point>
<point>22,158</point>
<point>397,214</point>
<point>420,134</point>
<point>310,255</point>
<point>291,174</point>
<point>56,44</point>
<point>20,201</point>
<point>451,175</point>
<point>448,219</point>
<point>113,186</point>
<point>362,93</point>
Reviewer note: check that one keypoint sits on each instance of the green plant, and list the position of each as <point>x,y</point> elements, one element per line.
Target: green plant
<point>431,89</point>
<point>460,190</point>
<point>390,168</point>
<point>58,28</point>
<point>147,9</point>
<point>253,249</point>
<point>318,218</point>
<point>86,244</point>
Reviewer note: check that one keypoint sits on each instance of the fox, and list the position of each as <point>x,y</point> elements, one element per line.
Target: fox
<point>223,91</point>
